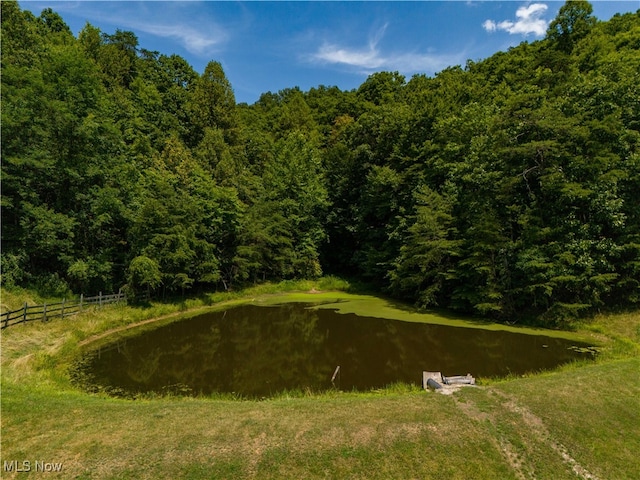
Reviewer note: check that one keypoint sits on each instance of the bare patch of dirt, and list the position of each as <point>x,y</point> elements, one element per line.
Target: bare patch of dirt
<point>450,389</point>
<point>515,460</point>
<point>256,449</point>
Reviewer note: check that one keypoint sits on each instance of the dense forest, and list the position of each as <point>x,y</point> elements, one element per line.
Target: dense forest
<point>508,188</point>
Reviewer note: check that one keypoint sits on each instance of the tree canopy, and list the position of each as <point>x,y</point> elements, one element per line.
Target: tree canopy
<point>507,188</point>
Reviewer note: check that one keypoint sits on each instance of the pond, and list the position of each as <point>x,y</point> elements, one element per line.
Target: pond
<point>257,351</point>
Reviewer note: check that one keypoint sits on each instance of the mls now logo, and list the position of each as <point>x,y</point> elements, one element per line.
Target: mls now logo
<point>28,466</point>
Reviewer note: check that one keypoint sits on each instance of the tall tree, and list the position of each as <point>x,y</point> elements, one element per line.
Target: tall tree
<point>573,22</point>
<point>212,102</point>
<point>428,252</point>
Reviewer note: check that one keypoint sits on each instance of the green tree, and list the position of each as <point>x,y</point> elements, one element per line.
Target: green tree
<point>573,22</point>
<point>118,58</point>
<point>428,253</point>
<point>212,102</point>
<point>382,87</point>
<point>294,181</point>
<point>143,273</point>
<point>90,40</point>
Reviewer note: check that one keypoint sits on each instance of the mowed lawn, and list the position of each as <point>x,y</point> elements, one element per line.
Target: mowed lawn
<point>582,421</point>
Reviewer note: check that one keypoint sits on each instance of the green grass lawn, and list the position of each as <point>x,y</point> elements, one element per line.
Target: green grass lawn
<point>581,421</point>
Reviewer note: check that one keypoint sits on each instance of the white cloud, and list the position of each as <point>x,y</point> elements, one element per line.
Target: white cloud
<point>490,25</point>
<point>190,37</point>
<point>194,30</point>
<point>528,20</point>
<point>367,58</point>
<point>371,58</point>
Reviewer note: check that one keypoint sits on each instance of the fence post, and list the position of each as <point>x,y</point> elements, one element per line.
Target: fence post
<point>62,311</point>
<point>44,312</point>
<point>100,300</point>
<point>24,315</point>
<point>81,297</point>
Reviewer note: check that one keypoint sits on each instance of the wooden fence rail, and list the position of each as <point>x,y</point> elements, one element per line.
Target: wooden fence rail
<point>44,312</point>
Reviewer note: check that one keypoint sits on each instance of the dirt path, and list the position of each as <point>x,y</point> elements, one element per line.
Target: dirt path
<point>509,452</point>
<point>520,436</point>
<point>538,430</point>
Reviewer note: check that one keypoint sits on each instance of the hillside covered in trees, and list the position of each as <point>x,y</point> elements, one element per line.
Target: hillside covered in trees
<point>509,188</point>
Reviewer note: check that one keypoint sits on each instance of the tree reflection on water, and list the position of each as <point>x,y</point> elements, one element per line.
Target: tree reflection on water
<point>257,351</point>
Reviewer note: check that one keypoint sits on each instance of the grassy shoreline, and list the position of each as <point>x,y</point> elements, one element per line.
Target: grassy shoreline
<point>578,421</point>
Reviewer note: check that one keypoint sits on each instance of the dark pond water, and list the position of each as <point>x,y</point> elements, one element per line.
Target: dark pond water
<point>259,351</point>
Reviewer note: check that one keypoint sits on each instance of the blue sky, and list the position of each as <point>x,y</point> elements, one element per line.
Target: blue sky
<point>268,46</point>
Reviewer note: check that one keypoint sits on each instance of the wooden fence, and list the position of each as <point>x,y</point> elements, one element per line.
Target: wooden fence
<point>29,313</point>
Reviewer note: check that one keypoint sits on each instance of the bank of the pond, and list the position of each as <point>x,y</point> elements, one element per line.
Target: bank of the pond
<point>342,302</point>
<point>258,350</point>
<point>580,420</point>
